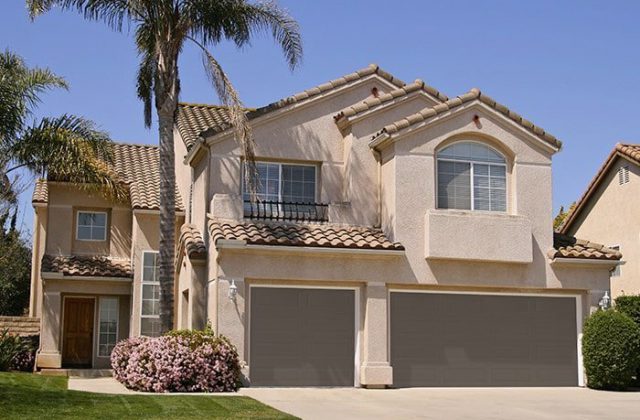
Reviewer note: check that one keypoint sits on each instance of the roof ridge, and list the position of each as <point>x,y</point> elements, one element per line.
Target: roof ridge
<point>450,104</point>
<point>124,143</point>
<point>369,103</point>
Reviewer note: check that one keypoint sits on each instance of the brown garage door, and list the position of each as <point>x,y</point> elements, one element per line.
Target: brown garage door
<point>302,337</point>
<point>483,340</point>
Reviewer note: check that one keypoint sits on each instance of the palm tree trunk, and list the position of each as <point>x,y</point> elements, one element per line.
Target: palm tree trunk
<point>166,94</point>
<point>167,221</point>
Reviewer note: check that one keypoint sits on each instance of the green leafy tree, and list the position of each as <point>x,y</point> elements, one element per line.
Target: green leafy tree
<point>15,268</point>
<point>162,28</point>
<point>65,148</point>
<point>562,216</point>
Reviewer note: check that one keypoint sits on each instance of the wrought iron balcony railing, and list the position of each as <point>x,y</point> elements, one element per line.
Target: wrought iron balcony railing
<point>282,210</point>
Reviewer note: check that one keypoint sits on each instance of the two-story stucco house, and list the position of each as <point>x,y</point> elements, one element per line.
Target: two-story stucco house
<point>400,238</point>
<point>608,213</point>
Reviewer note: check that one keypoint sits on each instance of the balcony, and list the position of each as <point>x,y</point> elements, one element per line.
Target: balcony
<point>286,211</point>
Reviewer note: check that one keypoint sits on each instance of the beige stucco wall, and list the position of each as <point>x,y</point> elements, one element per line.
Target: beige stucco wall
<point>183,172</point>
<point>64,202</point>
<point>307,133</point>
<point>611,217</point>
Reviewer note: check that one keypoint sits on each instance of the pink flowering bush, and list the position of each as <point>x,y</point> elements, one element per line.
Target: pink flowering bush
<point>181,361</point>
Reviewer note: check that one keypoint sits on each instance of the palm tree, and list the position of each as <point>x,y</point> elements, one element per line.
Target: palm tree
<point>162,28</point>
<point>65,148</point>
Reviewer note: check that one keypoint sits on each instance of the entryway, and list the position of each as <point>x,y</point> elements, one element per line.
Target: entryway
<point>77,334</point>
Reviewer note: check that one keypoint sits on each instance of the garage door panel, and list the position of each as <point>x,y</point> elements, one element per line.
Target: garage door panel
<point>302,337</point>
<point>482,340</point>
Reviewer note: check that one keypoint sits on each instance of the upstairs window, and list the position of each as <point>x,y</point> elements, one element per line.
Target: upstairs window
<point>623,175</point>
<point>471,176</point>
<point>91,226</point>
<point>150,310</point>
<point>285,192</point>
<point>284,183</point>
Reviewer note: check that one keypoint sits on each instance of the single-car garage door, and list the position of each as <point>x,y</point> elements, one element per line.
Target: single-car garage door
<point>302,337</point>
<point>483,340</point>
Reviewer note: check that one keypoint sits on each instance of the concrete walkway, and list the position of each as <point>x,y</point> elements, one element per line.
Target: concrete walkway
<point>451,403</point>
<point>111,386</point>
<point>423,403</point>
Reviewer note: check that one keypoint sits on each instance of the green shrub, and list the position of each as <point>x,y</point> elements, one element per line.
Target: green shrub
<point>630,305</point>
<point>611,350</point>
<point>10,347</point>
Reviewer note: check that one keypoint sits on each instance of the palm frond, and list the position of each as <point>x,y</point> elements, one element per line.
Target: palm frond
<point>115,13</point>
<point>70,149</point>
<point>237,117</point>
<point>238,20</point>
<point>20,91</point>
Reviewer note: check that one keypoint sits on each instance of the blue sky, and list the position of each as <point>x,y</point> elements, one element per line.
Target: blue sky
<point>571,67</point>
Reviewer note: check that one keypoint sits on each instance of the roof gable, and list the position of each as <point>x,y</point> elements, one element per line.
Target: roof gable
<point>139,167</point>
<point>451,105</point>
<point>196,121</point>
<point>629,152</point>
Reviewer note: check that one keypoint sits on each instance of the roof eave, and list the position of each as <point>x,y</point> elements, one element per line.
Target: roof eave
<point>231,244</point>
<point>54,275</point>
<point>558,261</point>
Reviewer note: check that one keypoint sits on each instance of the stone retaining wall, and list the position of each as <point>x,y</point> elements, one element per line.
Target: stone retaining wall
<point>20,325</point>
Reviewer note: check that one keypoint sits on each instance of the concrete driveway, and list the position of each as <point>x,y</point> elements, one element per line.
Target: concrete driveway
<point>449,403</point>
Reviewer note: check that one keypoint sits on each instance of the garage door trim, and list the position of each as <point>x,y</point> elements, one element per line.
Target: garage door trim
<point>356,321</point>
<point>577,297</point>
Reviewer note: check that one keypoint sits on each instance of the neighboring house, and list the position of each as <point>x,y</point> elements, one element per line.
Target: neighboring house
<point>608,212</point>
<point>399,238</point>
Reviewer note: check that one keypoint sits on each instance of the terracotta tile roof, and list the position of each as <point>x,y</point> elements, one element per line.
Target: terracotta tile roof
<point>373,102</point>
<point>139,165</point>
<point>630,152</point>
<point>566,246</point>
<point>474,94</point>
<point>195,121</point>
<point>191,242</point>
<point>40,192</point>
<point>87,266</point>
<point>307,235</point>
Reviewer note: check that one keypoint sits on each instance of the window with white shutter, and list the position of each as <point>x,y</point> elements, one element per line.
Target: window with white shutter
<point>472,176</point>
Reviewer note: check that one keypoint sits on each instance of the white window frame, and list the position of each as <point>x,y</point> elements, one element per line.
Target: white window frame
<point>146,283</point>
<point>117,322</point>
<point>106,225</point>
<point>280,164</point>
<point>471,175</point>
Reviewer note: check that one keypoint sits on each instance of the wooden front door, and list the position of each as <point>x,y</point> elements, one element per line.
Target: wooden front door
<point>77,336</point>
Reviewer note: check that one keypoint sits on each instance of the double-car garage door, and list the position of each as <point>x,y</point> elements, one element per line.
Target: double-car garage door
<point>306,337</point>
<point>465,340</point>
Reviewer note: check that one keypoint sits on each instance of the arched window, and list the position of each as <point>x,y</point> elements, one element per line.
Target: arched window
<point>471,176</point>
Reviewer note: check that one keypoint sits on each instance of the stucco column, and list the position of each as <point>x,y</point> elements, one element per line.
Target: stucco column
<point>375,370</point>
<point>231,312</point>
<point>50,355</point>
